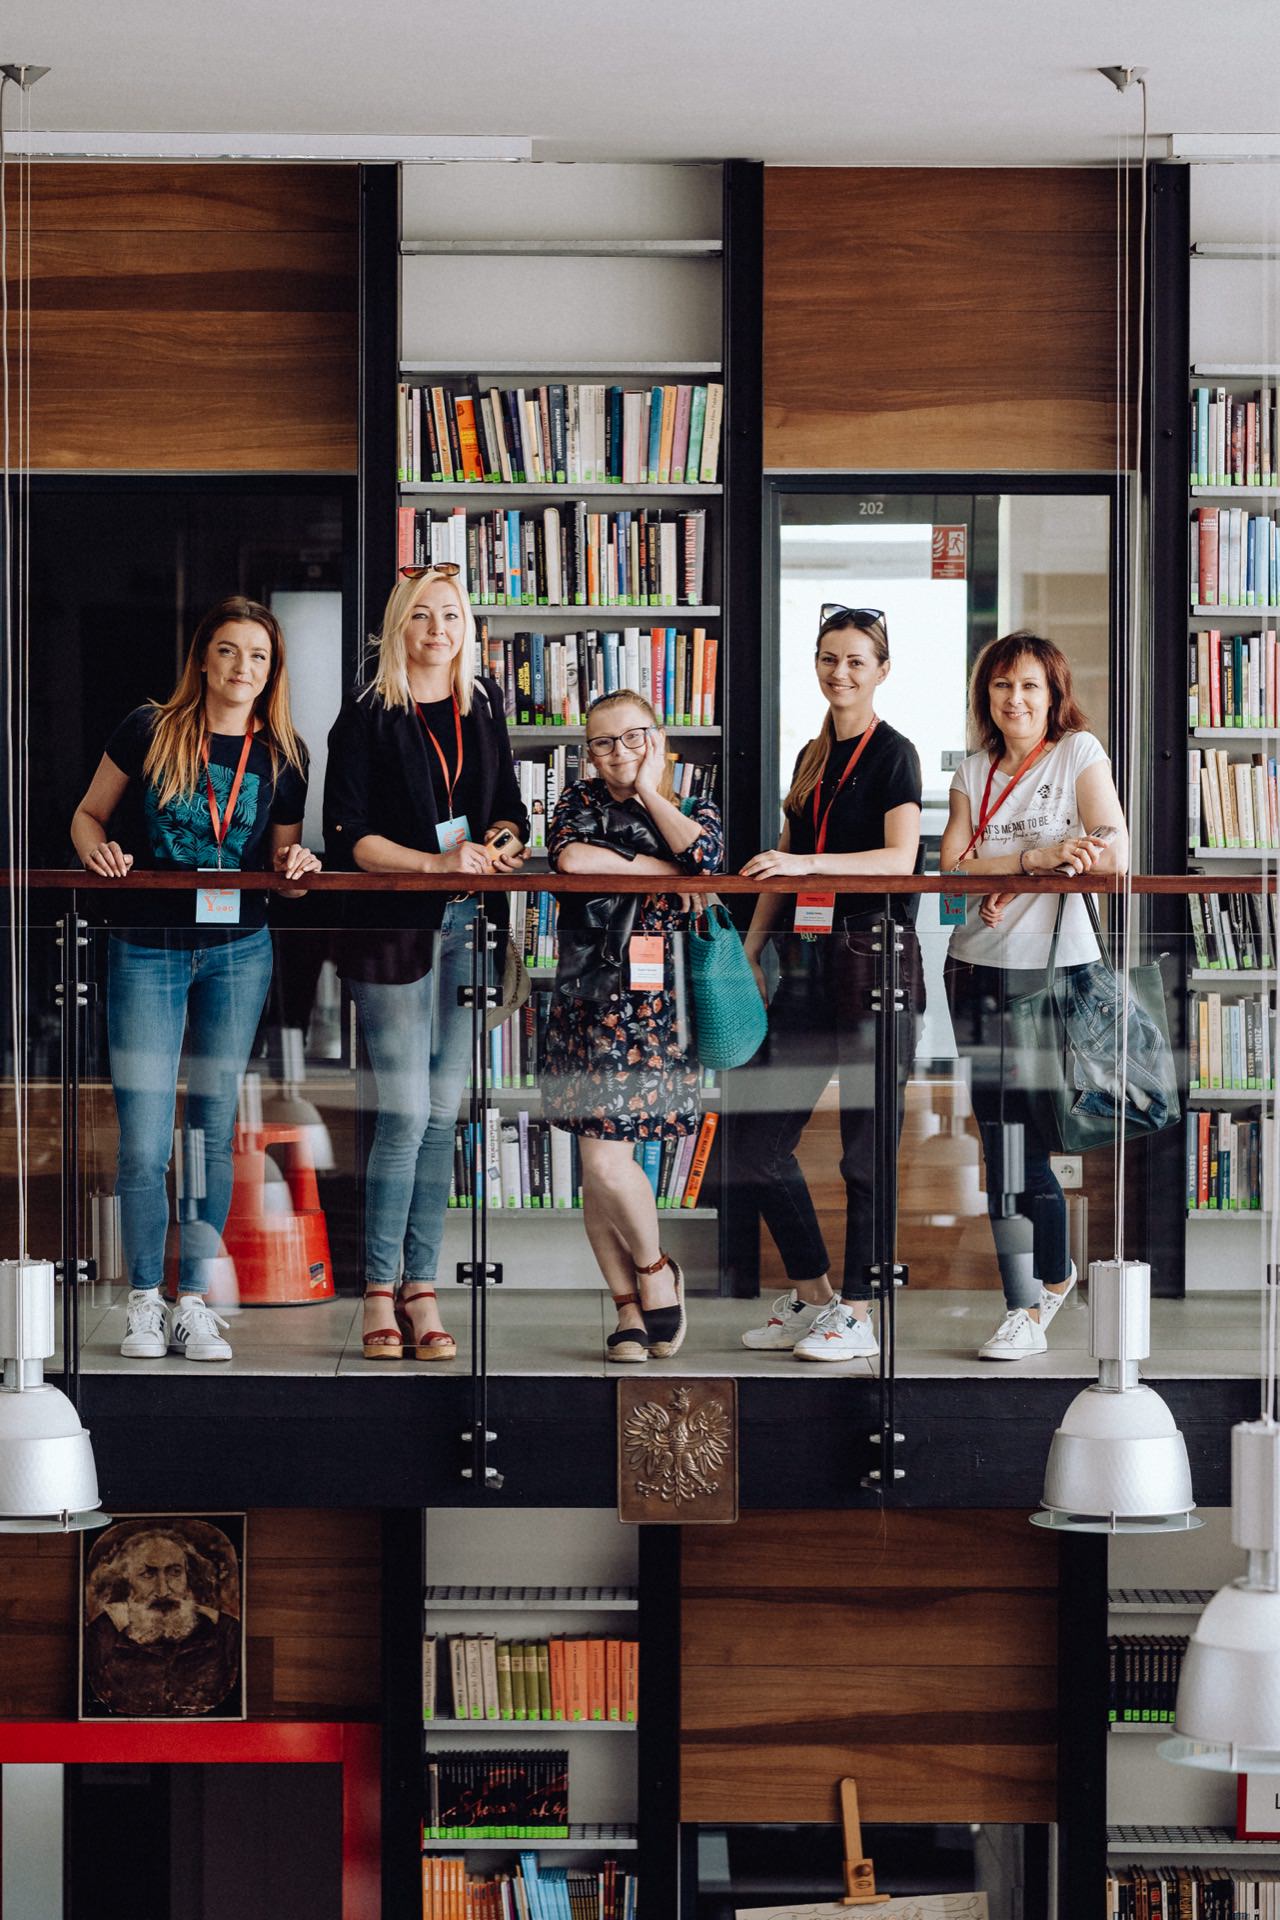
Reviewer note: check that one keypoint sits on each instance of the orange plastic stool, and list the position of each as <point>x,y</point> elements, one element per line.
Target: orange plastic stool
<point>276,1238</point>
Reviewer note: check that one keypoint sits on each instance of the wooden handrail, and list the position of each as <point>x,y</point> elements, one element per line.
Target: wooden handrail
<point>536,880</point>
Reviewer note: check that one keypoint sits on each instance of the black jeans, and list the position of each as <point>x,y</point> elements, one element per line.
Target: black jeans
<point>976,997</point>
<point>820,1022</point>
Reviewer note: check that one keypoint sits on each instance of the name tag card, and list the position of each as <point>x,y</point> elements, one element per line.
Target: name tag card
<point>217,906</point>
<point>815,912</point>
<point>645,953</point>
<point>952,909</point>
<point>451,833</point>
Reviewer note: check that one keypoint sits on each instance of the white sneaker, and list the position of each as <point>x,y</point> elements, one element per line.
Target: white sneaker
<point>1016,1338</point>
<point>195,1330</point>
<point>146,1326</point>
<point>837,1334</point>
<point>1051,1301</point>
<point>790,1318</point>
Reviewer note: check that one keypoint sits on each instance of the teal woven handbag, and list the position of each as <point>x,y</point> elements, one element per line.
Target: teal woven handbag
<point>728,1014</point>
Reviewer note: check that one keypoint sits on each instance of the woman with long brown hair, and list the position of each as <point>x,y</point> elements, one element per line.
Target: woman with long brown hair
<point>619,1069</point>
<point>853,807</point>
<point>1030,800</point>
<point>213,777</point>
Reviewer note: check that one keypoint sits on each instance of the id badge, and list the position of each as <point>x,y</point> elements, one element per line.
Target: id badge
<point>647,966</point>
<point>952,909</point>
<point>815,912</point>
<point>452,833</point>
<point>217,906</point>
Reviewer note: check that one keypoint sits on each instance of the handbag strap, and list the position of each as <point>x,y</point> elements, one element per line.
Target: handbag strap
<point>1090,908</point>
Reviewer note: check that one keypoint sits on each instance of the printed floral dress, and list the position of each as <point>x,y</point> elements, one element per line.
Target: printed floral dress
<point>621,1068</point>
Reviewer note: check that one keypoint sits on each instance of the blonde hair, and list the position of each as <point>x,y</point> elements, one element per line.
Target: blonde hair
<point>391,681</point>
<point>175,757</point>
<point>812,763</point>
<point>625,698</point>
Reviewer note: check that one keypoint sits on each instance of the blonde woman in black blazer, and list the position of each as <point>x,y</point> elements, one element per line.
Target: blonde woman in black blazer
<point>420,780</point>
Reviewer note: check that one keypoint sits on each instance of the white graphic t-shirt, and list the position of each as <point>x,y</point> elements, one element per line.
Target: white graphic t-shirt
<point>1040,811</point>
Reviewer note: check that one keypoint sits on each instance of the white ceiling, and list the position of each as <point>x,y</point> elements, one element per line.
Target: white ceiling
<point>813,82</point>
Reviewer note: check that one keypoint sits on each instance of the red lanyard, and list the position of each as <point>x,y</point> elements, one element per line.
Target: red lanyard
<point>444,764</point>
<point>986,812</point>
<point>820,826</point>
<point>220,824</point>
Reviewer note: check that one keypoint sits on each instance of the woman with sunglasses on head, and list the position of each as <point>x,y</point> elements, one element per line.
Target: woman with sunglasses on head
<point>618,1065</point>
<point>1036,798</point>
<point>420,780</point>
<point>213,777</point>
<point>853,808</point>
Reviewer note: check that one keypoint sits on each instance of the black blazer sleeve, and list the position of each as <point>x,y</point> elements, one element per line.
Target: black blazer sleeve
<point>507,804</point>
<point>348,781</point>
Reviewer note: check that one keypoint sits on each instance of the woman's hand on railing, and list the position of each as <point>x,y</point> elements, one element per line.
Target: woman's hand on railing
<point>775,864</point>
<point>1075,855</point>
<point>467,857</point>
<point>293,863</point>
<point>109,859</point>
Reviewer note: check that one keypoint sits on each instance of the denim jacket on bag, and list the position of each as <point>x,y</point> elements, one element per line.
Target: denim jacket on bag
<point>1091,1004</point>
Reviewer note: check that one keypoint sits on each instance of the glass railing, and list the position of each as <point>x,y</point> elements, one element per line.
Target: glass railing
<point>264,1124</point>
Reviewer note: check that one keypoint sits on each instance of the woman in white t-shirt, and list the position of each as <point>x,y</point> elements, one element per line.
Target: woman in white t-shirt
<point>1029,801</point>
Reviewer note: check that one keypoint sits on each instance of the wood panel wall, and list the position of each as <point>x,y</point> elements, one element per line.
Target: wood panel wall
<point>312,1598</point>
<point>915,1651</point>
<point>192,318</point>
<point>928,319</point>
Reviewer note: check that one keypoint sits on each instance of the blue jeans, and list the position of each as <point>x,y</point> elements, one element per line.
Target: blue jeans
<point>419,1044</point>
<point>152,992</point>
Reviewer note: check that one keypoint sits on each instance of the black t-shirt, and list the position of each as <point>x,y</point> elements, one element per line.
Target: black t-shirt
<point>438,716</point>
<point>181,836</point>
<point>887,776</point>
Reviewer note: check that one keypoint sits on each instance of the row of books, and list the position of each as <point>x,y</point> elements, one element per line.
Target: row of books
<point>1233,437</point>
<point>532,1892</point>
<point>543,781</point>
<point>563,557</point>
<point>570,1677</point>
<point>1232,803</point>
<point>1234,931</point>
<point>1231,1043</point>
<point>549,680</point>
<point>491,1794</point>
<point>1233,680</point>
<point>1228,1163</point>
<point>1192,1893</point>
<point>566,434</point>
<point>1142,1676</point>
<point>516,1161</point>
<point>1235,558</point>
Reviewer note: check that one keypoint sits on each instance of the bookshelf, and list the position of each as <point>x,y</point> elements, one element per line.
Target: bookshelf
<point>583,1580</point>
<point>638,306</point>
<point>1232,738</point>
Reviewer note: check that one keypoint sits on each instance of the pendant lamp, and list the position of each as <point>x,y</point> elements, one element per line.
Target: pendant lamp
<point>48,1483</point>
<point>1118,1463</point>
<point>1228,1713</point>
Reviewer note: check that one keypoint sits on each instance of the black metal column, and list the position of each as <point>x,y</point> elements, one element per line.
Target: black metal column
<point>886,1009</point>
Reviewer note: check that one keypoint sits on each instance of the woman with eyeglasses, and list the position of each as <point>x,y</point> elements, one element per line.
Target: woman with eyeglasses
<point>619,1070</point>
<point>1036,798</point>
<point>420,780</point>
<point>853,807</point>
<point>213,777</point>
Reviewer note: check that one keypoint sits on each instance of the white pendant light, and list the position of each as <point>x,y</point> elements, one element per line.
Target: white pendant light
<point>1228,1713</point>
<point>47,1479</point>
<point>1118,1463</point>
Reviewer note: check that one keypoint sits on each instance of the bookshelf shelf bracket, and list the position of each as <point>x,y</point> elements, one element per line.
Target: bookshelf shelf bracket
<point>859,1872</point>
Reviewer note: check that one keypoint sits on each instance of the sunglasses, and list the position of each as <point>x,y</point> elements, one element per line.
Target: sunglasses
<point>856,616</point>
<point>446,569</point>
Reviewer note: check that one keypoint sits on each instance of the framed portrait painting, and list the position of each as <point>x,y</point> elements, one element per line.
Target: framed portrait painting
<point>162,1632</point>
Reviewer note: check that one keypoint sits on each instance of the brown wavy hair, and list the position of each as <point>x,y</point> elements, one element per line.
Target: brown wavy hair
<point>625,698</point>
<point>1065,715</point>
<point>812,763</point>
<point>175,757</point>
